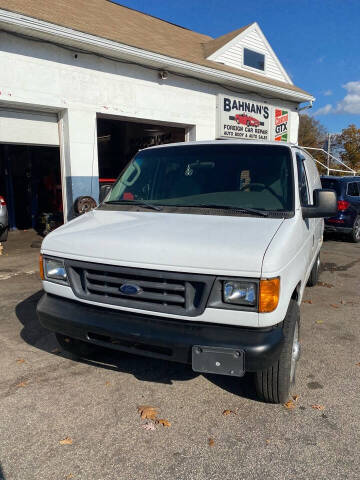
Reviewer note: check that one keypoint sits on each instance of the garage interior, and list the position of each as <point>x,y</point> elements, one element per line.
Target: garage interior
<point>30,175</point>
<point>119,141</point>
<point>30,181</point>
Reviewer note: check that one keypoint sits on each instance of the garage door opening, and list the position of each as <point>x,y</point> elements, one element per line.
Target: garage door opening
<point>30,181</point>
<point>119,141</point>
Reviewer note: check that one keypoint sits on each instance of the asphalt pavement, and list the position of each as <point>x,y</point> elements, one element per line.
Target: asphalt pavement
<point>63,418</point>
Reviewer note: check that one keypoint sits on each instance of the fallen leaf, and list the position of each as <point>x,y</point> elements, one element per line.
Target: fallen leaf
<point>164,422</point>
<point>148,426</point>
<point>66,441</point>
<point>147,412</point>
<point>289,405</point>
<point>357,364</point>
<point>22,384</point>
<point>268,441</point>
<point>318,407</point>
<point>69,476</point>
<point>55,350</point>
<point>333,305</point>
<point>324,284</point>
<point>229,412</point>
<point>211,442</point>
<point>20,360</point>
<point>308,301</point>
<point>342,302</point>
<point>107,383</point>
<point>319,321</point>
<point>296,397</point>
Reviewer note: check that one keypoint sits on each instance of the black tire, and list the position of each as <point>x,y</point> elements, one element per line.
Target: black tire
<point>355,234</point>
<point>314,274</point>
<point>4,235</point>
<point>273,384</point>
<point>74,346</point>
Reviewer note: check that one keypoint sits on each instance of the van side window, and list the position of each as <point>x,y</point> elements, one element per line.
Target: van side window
<point>353,189</point>
<point>303,183</point>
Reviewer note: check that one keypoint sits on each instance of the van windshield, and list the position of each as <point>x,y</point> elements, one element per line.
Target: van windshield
<point>212,175</point>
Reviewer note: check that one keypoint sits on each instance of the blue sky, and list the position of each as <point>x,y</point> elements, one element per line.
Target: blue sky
<point>317,41</point>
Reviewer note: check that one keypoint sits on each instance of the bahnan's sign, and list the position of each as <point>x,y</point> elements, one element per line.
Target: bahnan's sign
<point>251,120</point>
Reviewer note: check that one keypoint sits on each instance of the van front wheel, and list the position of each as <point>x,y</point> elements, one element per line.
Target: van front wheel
<point>273,384</point>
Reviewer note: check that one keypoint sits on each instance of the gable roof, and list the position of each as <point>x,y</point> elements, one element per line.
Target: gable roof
<point>251,37</point>
<point>111,21</point>
<point>213,46</point>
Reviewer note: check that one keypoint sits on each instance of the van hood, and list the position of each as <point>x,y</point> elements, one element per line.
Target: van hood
<point>222,245</point>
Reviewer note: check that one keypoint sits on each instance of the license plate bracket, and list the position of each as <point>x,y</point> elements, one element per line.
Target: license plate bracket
<point>224,361</point>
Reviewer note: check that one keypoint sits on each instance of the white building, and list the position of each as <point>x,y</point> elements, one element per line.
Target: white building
<point>84,84</point>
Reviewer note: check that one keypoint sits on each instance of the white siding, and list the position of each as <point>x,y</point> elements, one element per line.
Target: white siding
<point>233,57</point>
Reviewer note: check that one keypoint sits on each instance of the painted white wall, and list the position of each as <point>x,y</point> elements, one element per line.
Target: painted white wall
<point>41,75</point>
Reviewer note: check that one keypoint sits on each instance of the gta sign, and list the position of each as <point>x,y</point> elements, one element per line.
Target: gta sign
<point>251,120</point>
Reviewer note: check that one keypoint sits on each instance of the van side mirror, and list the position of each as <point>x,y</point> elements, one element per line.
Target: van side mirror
<point>325,205</point>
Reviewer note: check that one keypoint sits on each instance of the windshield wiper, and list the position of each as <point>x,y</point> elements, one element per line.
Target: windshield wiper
<point>140,203</point>
<point>251,211</point>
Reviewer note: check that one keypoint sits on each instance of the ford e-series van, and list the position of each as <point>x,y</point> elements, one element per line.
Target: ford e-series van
<point>199,254</point>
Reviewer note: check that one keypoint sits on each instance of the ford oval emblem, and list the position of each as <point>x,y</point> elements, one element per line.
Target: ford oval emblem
<point>130,289</point>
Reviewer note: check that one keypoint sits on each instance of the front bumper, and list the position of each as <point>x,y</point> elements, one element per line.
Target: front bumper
<point>157,337</point>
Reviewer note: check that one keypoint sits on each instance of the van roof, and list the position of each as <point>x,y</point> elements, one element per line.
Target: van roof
<point>227,142</point>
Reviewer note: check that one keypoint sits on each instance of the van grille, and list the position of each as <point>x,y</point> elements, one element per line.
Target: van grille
<point>161,291</point>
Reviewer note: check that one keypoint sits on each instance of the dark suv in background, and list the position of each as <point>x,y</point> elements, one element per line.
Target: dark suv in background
<point>348,195</point>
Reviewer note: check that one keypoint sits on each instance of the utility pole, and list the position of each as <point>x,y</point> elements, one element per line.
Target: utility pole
<point>328,153</point>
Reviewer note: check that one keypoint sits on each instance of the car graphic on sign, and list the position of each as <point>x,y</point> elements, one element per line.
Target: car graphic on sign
<point>243,119</point>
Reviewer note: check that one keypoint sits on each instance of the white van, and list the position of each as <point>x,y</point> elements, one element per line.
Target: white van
<point>199,254</point>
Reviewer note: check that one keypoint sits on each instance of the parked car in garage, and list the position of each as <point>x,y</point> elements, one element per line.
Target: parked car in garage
<point>4,221</point>
<point>347,220</point>
<point>199,254</point>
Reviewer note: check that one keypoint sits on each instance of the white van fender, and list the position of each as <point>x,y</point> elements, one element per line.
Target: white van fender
<point>287,257</point>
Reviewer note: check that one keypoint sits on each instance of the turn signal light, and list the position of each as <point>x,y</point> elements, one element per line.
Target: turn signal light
<point>269,294</point>
<point>343,205</point>
<point>41,267</point>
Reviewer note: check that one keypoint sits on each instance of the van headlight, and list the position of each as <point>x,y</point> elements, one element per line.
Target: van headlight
<point>54,270</point>
<point>240,293</point>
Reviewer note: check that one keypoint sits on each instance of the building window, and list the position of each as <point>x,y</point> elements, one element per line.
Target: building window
<point>254,59</point>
